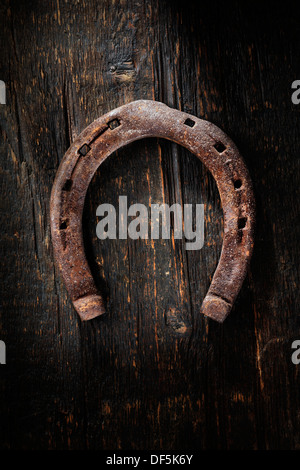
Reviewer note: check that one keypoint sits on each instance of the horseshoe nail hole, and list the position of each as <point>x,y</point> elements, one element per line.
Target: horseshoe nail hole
<point>113,124</point>
<point>237,184</point>
<point>219,147</point>
<point>189,122</point>
<point>84,150</point>
<point>242,222</point>
<point>63,225</point>
<point>68,185</point>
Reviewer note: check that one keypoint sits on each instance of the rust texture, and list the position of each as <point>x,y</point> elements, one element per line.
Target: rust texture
<point>120,127</point>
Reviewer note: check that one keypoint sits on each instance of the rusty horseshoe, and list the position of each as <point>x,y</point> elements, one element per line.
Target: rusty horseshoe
<point>120,127</point>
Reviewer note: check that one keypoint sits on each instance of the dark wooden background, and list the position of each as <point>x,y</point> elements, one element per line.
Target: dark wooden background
<point>152,373</point>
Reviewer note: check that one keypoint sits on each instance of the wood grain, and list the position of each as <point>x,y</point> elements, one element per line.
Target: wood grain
<point>152,373</point>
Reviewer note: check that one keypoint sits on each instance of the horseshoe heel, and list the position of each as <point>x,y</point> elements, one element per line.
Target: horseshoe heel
<point>109,133</point>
